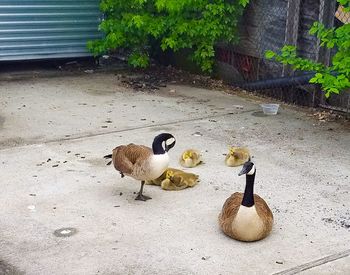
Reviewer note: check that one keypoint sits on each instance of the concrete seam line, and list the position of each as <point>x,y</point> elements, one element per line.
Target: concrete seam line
<point>150,126</point>
<point>318,262</point>
<point>125,130</point>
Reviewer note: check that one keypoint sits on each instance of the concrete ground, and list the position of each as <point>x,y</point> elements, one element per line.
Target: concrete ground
<point>54,132</point>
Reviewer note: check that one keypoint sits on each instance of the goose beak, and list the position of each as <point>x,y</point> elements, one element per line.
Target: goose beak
<point>246,168</point>
<point>243,171</point>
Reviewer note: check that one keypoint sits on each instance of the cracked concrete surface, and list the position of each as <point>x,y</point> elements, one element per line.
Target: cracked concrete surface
<point>54,132</point>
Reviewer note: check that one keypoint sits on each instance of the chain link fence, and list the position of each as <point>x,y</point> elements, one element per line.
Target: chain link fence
<point>269,25</point>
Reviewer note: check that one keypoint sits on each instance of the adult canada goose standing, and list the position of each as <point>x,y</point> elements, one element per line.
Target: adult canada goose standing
<point>141,162</point>
<point>246,217</point>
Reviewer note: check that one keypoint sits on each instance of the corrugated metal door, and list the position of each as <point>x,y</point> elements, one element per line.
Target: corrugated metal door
<point>40,29</point>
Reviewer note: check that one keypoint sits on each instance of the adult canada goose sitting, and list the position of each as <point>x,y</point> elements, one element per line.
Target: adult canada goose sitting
<point>246,217</point>
<point>141,162</point>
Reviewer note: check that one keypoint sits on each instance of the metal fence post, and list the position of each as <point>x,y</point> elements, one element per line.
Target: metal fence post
<point>292,28</point>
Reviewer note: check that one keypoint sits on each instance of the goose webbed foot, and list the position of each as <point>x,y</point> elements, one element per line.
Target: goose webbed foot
<point>140,196</point>
<point>122,175</point>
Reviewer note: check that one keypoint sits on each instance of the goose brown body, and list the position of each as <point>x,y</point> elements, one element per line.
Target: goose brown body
<point>137,161</point>
<point>141,162</point>
<point>253,228</point>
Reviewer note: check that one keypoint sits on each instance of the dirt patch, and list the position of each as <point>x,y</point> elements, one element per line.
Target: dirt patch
<point>341,221</point>
<point>100,92</point>
<point>2,121</point>
<point>7,269</point>
<point>157,77</point>
<point>12,142</point>
<point>17,141</point>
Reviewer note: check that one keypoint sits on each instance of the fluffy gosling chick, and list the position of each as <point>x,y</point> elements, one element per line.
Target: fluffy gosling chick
<point>175,179</point>
<point>190,158</point>
<point>237,156</point>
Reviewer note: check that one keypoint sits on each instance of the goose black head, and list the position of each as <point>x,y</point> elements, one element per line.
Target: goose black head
<point>157,145</point>
<point>248,168</point>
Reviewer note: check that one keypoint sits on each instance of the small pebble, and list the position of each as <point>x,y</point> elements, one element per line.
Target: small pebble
<point>197,134</point>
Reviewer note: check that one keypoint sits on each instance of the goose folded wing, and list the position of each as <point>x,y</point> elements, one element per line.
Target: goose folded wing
<point>230,209</point>
<point>263,209</point>
<point>125,157</point>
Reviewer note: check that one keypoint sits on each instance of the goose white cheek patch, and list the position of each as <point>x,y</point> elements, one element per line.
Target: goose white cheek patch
<point>251,172</point>
<point>170,141</point>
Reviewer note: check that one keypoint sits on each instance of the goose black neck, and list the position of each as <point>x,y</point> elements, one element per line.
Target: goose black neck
<point>248,197</point>
<point>157,145</point>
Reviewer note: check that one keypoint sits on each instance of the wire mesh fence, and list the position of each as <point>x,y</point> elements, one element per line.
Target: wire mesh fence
<point>269,25</point>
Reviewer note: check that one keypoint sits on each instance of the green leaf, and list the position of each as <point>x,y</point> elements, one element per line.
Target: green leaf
<point>313,80</point>
<point>270,54</point>
<point>244,2</point>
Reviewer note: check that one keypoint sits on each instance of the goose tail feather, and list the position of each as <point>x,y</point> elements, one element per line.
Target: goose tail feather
<point>108,157</point>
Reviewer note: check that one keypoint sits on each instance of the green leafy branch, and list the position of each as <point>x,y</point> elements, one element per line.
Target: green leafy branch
<point>335,78</point>
<point>174,24</point>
